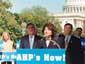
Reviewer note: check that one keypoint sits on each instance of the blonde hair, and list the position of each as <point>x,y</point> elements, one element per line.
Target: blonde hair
<point>5,33</point>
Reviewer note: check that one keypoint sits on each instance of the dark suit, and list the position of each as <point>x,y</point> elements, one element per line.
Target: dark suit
<point>53,44</point>
<point>74,53</point>
<point>25,42</point>
<point>61,38</point>
<point>83,49</point>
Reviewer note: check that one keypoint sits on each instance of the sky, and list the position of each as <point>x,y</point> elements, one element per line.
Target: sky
<point>52,6</point>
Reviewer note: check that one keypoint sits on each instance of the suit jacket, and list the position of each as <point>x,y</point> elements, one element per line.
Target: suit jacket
<point>25,42</point>
<point>61,38</point>
<point>52,44</point>
<point>74,54</point>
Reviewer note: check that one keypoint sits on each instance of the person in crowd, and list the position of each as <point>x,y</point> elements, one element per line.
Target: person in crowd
<point>7,46</point>
<point>7,43</point>
<point>72,46</point>
<point>49,41</point>
<point>30,41</point>
<point>79,32</point>
<point>78,35</point>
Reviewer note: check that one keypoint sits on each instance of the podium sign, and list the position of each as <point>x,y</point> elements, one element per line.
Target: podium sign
<point>35,56</point>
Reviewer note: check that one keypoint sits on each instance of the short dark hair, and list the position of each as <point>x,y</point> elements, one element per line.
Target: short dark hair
<point>51,27</point>
<point>68,24</point>
<point>30,24</point>
<point>79,28</point>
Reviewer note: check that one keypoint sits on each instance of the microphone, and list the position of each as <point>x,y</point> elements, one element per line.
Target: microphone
<point>54,43</point>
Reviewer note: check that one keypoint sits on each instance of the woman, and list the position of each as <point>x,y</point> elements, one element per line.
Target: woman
<point>49,37</point>
<point>7,44</point>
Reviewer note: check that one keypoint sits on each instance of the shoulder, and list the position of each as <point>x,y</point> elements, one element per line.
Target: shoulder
<point>82,37</point>
<point>61,36</point>
<point>24,37</point>
<point>42,40</point>
<point>75,38</point>
<point>1,41</point>
<point>37,36</point>
<point>10,41</point>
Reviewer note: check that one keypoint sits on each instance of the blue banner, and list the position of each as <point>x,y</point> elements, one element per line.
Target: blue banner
<point>35,56</point>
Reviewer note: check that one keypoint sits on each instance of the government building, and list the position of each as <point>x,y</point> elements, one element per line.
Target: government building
<point>73,12</point>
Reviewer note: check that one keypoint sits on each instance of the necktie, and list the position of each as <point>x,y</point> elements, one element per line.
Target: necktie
<point>66,42</point>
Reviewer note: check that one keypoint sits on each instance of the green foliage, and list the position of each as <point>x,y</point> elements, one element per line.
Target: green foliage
<point>8,20</point>
<point>39,16</point>
<point>12,22</point>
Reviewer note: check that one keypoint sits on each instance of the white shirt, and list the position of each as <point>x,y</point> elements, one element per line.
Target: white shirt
<point>8,46</point>
<point>67,38</point>
<point>47,42</point>
<point>31,41</point>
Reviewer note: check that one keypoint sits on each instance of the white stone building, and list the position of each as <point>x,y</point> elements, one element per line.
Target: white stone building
<point>73,12</point>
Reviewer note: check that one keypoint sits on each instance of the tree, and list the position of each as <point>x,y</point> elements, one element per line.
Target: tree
<point>8,20</point>
<point>12,22</point>
<point>39,16</point>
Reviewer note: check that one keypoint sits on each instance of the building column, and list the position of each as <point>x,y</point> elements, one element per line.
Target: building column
<point>72,10</point>
<point>79,9</point>
<point>76,10</point>
<point>82,10</point>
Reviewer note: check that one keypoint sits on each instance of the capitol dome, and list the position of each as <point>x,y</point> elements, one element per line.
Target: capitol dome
<point>74,6</point>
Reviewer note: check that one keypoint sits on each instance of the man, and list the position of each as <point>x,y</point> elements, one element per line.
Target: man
<point>78,35</point>
<point>79,32</point>
<point>30,41</point>
<point>72,46</point>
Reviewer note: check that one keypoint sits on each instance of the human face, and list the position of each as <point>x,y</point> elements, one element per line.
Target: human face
<point>67,30</point>
<point>47,32</point>
<point>79,32</point>
<point>31,30</point>
<point>5,37</point>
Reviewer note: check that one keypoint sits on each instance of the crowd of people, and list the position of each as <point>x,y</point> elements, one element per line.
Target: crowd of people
<point>50,40</point>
